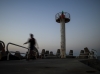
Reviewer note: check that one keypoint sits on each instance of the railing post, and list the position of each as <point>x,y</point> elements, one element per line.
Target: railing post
<point>8,56</point>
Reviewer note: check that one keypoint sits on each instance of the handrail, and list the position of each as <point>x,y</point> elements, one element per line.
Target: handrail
<point>15,52</point>
<point>95,53</point>
<point>15,45</point>
<point>8,53</point>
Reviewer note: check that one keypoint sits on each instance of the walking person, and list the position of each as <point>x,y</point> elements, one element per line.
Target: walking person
<point>32,49</point>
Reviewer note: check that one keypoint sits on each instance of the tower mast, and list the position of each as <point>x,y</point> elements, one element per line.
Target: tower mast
<point>62,18</point>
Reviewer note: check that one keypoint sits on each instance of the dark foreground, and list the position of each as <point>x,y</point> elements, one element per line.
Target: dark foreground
<point>46,66</point>
<point>94,63</point>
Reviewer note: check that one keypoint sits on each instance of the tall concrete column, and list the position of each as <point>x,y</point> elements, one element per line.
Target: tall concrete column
<point>63,41</point>
<point>62,18</point>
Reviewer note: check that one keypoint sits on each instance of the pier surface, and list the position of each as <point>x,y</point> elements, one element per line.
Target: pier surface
<point>46,66</point>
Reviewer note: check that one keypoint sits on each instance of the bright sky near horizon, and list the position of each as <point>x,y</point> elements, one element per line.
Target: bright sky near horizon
<point>19,18</point>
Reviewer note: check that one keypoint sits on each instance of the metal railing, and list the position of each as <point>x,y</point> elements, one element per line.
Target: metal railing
<point>67,15</point>
<point>95,53</point>
<point>8,52</point>
<point>15,45</point>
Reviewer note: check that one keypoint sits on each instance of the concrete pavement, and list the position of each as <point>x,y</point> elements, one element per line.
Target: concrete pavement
<point>46,66</point>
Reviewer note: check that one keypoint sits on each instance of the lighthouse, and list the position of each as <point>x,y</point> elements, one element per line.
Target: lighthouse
<point>62,18</point>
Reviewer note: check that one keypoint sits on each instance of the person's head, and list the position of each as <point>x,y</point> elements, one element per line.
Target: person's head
<point>31,35</point>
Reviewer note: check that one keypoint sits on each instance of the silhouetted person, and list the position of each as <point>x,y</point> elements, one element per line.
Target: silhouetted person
<point>32,43</point>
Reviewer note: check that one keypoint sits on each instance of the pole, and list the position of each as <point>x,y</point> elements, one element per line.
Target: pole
<point>63,44</point>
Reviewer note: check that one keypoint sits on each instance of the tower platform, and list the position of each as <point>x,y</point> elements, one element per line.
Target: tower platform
<point>64,15</point>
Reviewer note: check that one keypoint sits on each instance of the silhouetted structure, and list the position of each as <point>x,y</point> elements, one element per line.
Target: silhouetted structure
<point>81,55</point>
<point>71,52</point>
<point>42,53</point>
<point>84,53</point>
<point>58,53</point>
<point>47,53</point>
<point>2,48</point>
<point>51,53</point>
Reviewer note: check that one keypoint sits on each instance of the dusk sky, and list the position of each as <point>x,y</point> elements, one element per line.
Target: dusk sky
<point>19,18</point>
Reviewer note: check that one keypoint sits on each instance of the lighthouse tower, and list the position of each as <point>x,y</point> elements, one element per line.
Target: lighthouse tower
<point>62,18</point>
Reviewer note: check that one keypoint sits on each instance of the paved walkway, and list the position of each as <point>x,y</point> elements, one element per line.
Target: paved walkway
<point>46,66</point>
